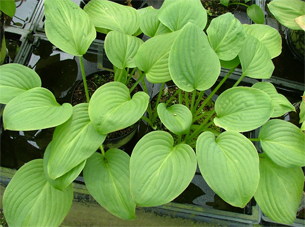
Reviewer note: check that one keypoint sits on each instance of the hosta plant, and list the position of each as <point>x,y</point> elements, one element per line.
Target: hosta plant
<point>162,164</point>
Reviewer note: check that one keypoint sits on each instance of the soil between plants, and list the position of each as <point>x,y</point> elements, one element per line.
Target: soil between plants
<point>215,8</point>
<point>94,81</point>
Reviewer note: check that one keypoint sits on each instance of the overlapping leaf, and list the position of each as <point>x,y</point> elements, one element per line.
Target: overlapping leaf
<point>111,108</point>
<point>152,57</point>
<point>230,166</point>
<point>121,49</point>
<point>16,79</point>
<point>182,12</point>
<point>242,109</point>
<point>151,25</point>
<point>176,118</point>
<point>268,36</point>
<point>226,36</point>
<point>29,200</point>
<point>280,191</point>
<point>284,143</point>
<point>68,27</point>
<point>193,64</point>
<point>113,16</point>
<point>160,171</point>
<point>35,109</point>
<point>73,142</point>
<point>64,181</point>
<point>280,102</point>
<point>287,11</point>
<point>107,179</point>
<point>255,59</point>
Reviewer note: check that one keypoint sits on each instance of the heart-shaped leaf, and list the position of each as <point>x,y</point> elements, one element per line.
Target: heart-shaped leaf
<point>142,12</point>
<point>107,179</point>
<point>230,166</point>
<point>16,79</point>
<point>35,109</point>
<point>256,14</point>
<point>242,109</point>
<point>280,102</point>
<point>160,171</point>
<point>113,16</point>
<point>176,118</point>
<point>68,27</point>
<point>151,25</point>
<point>64,181</point>
<point>111,108</point>
<point>121,49</point>
<point>152,57</point>
<point>268,36</point>
<point>182,12</point>
<point>226,36</point>
<point>193,64</point>
<point>283,142</point>
<point>280,191</point>
<point>29,200</point>
<point>255,59</point>
<point>287,11</point>
<point>73,142</point>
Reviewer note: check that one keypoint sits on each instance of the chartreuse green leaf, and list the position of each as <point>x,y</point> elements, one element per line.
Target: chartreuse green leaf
<point>230,166</point>
<point>113,16</point>
<point>193,64</point>
<point>151,25</point>
<point>226,36</point>
<point>279,192</point>
<point>176,118</point>
<point>283,142</point>
<point>182,12</point>
<point>121,49</point>
<point>68,27</point>
<point>256,14</point>
<point>255,59</point>
<point>8,7</point>
<point>268,36</point>
<point>160,171</point>
<point>16,79</point>
<point>73,142</point>
<point>287,11</point>
<point>107,179</point>
<point>230,64</point>
<point>35,109</point>
<point>64,181</point>
<point>152,57</point>
<point>242,109</point>
<point>29,200</point>
<point>142,12</point>
<point>280,102</point>
<point>111,108</point>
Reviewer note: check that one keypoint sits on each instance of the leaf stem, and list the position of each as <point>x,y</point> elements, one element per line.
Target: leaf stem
<point>102,150</point>
<point>84,78</point>
<point>136,83</point>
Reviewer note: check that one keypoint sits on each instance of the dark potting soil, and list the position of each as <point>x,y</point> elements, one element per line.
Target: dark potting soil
<point>215,8</point>
<point>94,82</point>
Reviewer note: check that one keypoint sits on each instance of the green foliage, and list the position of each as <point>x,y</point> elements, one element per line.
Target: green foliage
<point>29,199</point>
<point>8,7</point>
<point>163,162</point>
<point>279,191</point>
<point>286,12</point>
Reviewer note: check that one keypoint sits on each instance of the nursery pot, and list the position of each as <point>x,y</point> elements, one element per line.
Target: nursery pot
<point>296,43</point>
<point>120,138</point>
